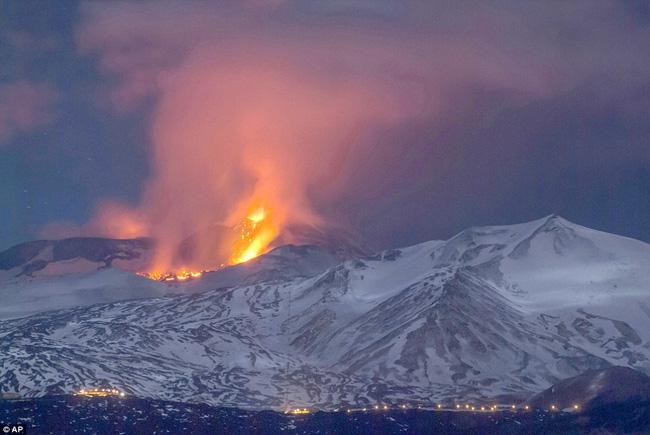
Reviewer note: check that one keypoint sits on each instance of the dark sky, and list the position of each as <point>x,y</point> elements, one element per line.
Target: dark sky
<point>445,116</point>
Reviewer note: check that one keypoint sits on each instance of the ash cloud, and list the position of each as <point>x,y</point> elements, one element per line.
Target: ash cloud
<point>383,115</point>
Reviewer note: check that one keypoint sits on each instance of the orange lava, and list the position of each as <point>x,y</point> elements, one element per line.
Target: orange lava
<point>180,275</point>
<point>256,232</point>
<point>252,238</point>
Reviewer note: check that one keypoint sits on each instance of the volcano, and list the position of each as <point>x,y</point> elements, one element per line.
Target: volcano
<point>43,275</point>
<point>500,311</point>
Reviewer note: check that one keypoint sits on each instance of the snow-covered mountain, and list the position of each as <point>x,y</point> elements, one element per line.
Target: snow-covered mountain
<point>73,255</point>
<point>53,274</point>
<point>56,274</point>
<point>504,310</point>
<point>45,275</point>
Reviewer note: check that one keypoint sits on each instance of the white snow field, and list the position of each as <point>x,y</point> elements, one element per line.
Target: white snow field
<point>502,310</point>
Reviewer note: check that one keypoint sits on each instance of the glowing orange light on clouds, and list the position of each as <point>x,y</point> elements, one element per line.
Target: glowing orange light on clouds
<point>252,237</point>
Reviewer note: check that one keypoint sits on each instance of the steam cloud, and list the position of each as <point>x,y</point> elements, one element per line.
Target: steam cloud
<point>296,104</point>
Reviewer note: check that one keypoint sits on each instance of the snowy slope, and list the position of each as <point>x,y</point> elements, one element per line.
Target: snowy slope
<point>31,295</point>
<point>493,311</point>
<point>49,275</point>
<point>53,274</point>
<point>73,255</point>
<point>585,285</point>
<point>281,264</point>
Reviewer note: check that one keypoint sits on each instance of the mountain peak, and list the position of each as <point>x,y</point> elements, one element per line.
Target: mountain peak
<point>555,219</point>
<point>554,223</point>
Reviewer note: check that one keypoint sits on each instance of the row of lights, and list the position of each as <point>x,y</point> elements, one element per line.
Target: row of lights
<point>466,407</point>
<point>484,408</point>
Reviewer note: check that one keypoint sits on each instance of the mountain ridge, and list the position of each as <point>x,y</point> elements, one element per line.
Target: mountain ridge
<point>439,320</point>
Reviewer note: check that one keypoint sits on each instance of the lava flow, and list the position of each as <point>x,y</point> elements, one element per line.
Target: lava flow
<point>257,231</point>
<point>253,236</point>
<point>180,275</point>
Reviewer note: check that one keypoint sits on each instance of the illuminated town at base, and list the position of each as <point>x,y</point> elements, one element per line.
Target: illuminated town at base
<point>100,392</point>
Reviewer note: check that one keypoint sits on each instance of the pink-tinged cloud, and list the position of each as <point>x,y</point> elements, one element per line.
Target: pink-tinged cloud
<point>291,104</point>
<point>111,218</point>
<point>24,106</point>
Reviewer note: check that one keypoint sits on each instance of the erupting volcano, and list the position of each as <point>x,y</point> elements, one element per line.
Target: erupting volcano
<point>250,238</point>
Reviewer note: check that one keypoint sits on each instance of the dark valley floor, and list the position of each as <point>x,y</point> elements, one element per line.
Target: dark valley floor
<point>77,415</point>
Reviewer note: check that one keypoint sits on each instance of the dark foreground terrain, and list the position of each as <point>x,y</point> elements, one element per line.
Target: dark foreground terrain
<point>76,415</point>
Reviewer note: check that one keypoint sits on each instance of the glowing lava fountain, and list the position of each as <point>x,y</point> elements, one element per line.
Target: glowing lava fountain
<point>256,232</point>
<point>252,238</point>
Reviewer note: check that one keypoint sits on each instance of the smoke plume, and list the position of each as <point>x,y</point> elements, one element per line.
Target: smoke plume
<point>293,105</point>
